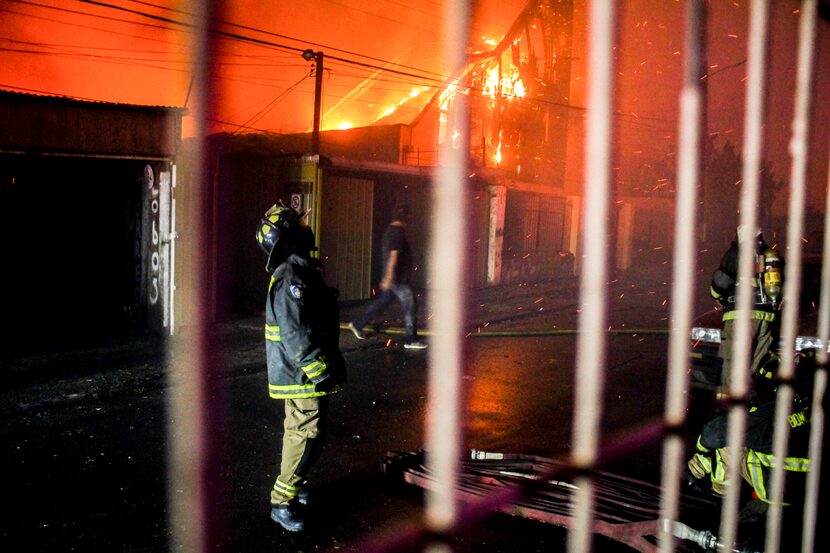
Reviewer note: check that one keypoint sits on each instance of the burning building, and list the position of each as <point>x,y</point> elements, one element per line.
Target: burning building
<point>522,223</point>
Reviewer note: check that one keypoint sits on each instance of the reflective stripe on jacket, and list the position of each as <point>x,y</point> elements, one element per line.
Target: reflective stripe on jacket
<point>302,332</point>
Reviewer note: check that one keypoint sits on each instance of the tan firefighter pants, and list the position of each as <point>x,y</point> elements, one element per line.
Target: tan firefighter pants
<point>304,426</point>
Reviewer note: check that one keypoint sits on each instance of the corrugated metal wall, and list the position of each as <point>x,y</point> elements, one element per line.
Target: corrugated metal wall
<point>534,233</point>
<point>346,235</point>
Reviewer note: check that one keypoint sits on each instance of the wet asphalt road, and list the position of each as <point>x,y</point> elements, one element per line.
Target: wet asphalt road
<point>83,456</point>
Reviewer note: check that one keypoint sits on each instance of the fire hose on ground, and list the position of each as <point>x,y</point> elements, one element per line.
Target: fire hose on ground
<point>704,538</point>
<point>391,330</point>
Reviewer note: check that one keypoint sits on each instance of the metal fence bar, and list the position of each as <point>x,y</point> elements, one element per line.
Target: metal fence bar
<point>819,389</point>
<point>591,342</point>
<point>752,163</point>
<point>685,239</point>
<point>447,261</point>
<point>186,428</point>
<point>190,451</point>
<point>799,151</point>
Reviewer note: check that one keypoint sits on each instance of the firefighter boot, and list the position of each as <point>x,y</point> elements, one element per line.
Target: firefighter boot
<point>287,517</point>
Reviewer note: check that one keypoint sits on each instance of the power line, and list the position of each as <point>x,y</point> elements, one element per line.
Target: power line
<point>65,51</point>
<point>80,26</point>
<point>253,40</point>
<point>184,50</point>
<point>114,59</point>
<point>272,104</point>
<point>87,14</point>
<point>327,47</point>
<point>417,80</point>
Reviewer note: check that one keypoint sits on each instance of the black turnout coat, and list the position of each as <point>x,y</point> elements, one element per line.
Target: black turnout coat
<point>302,332</point>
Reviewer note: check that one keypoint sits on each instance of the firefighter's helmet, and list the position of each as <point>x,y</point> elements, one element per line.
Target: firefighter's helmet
<point>281,232</point>
<point>744,233</point>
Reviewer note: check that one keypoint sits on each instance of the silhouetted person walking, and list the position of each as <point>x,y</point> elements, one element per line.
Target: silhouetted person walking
<point>394,284</point>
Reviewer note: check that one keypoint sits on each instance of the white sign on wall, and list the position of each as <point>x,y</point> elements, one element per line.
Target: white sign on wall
<point>296,202</point>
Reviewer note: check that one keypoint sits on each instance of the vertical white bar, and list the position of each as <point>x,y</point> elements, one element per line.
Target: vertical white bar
<point>187,455</point>
<point>817,416</point>
<point>446,286</point>
<point>685,238</point>
<point>165,196</point>
<point>173,237</point>
<point>753,149</point>
<point>799,152</point>
<point>590,355</point>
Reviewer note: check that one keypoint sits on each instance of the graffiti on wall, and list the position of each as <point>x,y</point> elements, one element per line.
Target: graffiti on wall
<point>154,289</point>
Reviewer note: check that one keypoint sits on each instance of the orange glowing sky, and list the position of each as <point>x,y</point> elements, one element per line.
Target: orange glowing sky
<point>83,50</point>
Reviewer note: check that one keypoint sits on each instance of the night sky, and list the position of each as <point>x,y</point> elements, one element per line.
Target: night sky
<point>139,54</point>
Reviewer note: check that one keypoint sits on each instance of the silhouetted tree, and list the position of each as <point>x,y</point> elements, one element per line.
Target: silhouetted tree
<point>721,192</point>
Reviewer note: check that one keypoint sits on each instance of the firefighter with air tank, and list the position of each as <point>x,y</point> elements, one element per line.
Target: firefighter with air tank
<point>766,299</point>
<point>707,469</point>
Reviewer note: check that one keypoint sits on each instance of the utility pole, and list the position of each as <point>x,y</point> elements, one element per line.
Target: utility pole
<point>308,55</point>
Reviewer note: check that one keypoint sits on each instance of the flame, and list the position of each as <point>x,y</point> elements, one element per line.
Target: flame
<point>510,86</point>
<point>447,95</point>
<point>414,93</point>
<point>519,89</point>
<point>344,125</point>
<point>497,156</point>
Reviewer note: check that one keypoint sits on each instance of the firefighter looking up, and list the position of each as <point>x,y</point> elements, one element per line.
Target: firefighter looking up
<point>766,285</point>
<point>304,362</point>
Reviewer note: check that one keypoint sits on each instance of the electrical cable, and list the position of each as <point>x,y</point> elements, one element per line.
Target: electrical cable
<point>260,41</point>
<point>273,103</point>
<point>331,59</point>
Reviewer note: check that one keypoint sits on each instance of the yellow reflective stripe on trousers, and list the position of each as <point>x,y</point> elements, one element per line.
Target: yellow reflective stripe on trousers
<point>756,474</point>
<point>792,464</point>
<point>720,469</point>
<point>272,332</point>
<point>315,369</point>
<point>285,489</point>
<point>757,315</point>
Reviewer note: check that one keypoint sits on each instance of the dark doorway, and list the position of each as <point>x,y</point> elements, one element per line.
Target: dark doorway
<point>70,230</point>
